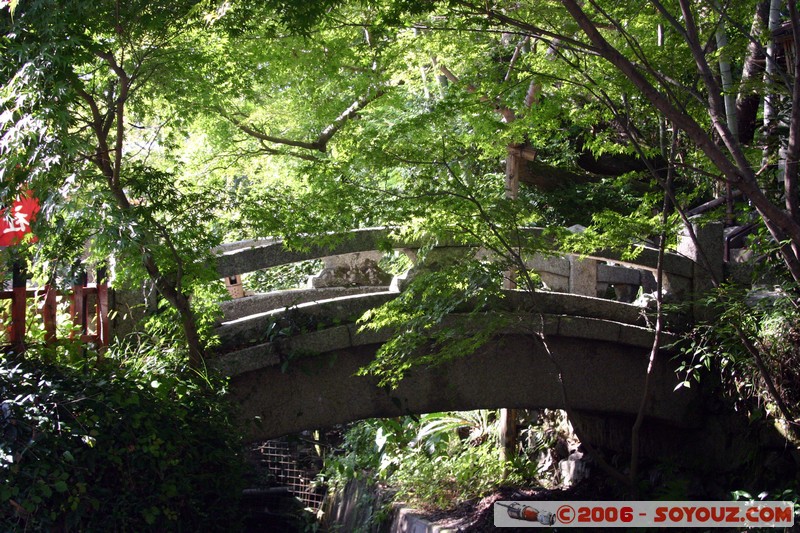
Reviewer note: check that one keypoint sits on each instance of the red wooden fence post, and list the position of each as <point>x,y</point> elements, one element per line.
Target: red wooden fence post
<point>18,304</point>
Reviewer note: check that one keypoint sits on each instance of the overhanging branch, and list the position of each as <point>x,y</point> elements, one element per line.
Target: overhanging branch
<point>320,144</point>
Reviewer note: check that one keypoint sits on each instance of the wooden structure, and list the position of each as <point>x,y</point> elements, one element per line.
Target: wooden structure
<point>88,308</point>
<point>234,286</point>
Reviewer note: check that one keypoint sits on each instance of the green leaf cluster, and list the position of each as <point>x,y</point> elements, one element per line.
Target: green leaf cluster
<point>437,460</point>
<point>418,319</point>
<point>127,447</point>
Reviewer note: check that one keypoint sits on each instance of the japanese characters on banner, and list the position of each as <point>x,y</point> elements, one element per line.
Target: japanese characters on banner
<point>15,222</point>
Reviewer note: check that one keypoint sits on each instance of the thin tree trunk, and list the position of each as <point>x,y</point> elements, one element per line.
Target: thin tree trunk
<point>770,97</point>
<point>637,424</point>
<point>748,99</point>
<point>726,76</point>
<point>738,170</point>
<point>111,168</point>
<point>793,149</point>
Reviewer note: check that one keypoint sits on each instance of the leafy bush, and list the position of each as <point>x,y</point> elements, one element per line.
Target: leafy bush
<point>281,277</point>
<point>113,447</point>
<point>769,318</point>
<point>437,460</point>
<point>443,480</point>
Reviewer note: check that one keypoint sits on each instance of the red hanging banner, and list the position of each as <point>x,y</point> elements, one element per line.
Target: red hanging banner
<point>15,223</point>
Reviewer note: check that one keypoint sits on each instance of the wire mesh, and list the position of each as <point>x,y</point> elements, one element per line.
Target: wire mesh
<point>293,463</point>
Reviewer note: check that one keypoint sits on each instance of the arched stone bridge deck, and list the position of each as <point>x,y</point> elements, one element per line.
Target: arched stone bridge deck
<point>599,347</point>
<point>309,381</point>
<point>249,256</point>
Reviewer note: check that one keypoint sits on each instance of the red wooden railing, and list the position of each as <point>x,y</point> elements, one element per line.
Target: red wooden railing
<point>79,297</point>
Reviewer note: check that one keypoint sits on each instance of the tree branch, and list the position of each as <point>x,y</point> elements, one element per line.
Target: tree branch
<point>320,144</point>
<point>101,157</point>
<point>739,174</point>
<point>515,56</point>
<point>261,136</point>
<point>507,113</point>
<point>349,113</point>
<point>119,112</point>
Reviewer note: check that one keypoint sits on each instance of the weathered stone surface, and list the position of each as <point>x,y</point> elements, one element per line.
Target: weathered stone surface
<point>552,264</point>
<point>595,357</point>
<point>647,259</point>
<point>251,328</point>
<point>706,253</point>
<point>260,303</point>
<point>582,276</point>
<point>573,305</point>
<point>553,282</point>
<point>615,274</point>
<point>589,328</point>
<point>435,259</point>
<point>351,270</point>
<point>131,307</point>
<point>247,359</point>
<point>553,271</point>
<point>511,371</point>
<point>249,256</point>
<point>316,342</point>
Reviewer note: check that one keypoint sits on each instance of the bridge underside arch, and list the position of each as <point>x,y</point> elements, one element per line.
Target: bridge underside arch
<point>514,370</point>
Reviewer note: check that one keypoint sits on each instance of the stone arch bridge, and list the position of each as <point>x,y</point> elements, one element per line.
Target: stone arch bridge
<point>598,347</point>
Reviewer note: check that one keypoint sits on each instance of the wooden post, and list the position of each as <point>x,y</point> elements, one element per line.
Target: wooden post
<point>18,305</point>
<point>515,162</point>
<point>77,309</point>
<point>103,324</point>
<point>49,312</point>
<point>508,435</point>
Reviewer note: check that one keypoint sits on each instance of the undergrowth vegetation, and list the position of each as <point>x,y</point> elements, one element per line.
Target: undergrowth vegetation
<point>132,442</point>
<point>752,347</point>
<point>439,460</point>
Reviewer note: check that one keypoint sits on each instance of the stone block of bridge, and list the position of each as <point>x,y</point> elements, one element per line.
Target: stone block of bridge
<point>625,280</point>
<point>358,269</point>
<point>706,251</point>
<point>552,270</point>
<point>131,307</point>
<point>271,301</point>
<point>600,376</point>
<point>582,276</point>
<point>434,259</point>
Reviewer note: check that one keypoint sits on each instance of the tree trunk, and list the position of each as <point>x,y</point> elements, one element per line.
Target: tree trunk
<point>733,164</point>
<point>770,97</point>
<point>508,434</point>
<point>793,149</point>
<point>748,99</point>
<point>726,76</point>
<point>169,289</point>
<point>112,171</point>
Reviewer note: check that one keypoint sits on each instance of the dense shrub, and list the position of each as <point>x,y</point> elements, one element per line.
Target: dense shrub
<point>437,460</point>
<point>113,447</point>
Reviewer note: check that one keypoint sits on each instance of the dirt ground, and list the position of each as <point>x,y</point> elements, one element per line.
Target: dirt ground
<point>478,515</point>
